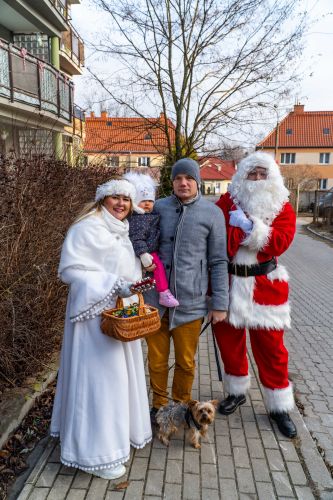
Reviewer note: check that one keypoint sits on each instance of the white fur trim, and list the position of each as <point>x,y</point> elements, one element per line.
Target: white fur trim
<point>279,400</point>
<point>280,274</point>
<point>243,312</point>
<point>236,385</point>
<point>245,256</point>
<point>116,186</point>
<point>259,236</point>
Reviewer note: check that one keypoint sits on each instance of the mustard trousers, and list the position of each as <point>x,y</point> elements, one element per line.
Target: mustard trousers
<point>185,340</point>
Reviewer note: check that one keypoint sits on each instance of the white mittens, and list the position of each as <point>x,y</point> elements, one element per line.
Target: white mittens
<point>146,259</point>
<point>124,289</point>
<point>239,219</point>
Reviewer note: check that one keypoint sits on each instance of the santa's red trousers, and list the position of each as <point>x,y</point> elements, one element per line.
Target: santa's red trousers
<point>268,350</point>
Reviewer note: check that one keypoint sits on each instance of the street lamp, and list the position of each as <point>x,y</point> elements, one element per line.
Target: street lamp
<point>277,126</point>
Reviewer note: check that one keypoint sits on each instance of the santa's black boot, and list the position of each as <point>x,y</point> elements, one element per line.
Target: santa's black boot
<point>231,403</point>
<point>285,424</point>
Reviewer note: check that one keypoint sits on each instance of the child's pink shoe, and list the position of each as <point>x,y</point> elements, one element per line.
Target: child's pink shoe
<point>167,299</point>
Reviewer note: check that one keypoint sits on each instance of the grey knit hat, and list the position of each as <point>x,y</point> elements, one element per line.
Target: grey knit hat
<point>187,166</point>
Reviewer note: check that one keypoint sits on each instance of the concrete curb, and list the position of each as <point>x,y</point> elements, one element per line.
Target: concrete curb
<point>318,234</point>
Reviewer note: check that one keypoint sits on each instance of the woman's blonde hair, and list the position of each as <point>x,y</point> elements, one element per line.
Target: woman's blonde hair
<point>88,209</point>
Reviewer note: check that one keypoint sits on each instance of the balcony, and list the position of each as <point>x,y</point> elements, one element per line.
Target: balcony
<point>62,7</point>
<point>71,52</point>
<point>33,85</point>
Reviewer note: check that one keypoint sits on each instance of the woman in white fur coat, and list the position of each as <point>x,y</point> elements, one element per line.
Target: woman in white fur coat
<point>261,225</point>
<point>101,404</point>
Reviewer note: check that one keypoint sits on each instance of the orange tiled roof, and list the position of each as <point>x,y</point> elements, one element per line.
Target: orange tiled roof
<point>307,130</point>
<point>107,134</point>
<point>213,168</point>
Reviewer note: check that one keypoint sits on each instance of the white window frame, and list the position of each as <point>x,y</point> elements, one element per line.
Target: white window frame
<point>323,183</point>
<point>323,157</point>
<point>144,161</point>
<point>288,158</point>
<point>113,159</point>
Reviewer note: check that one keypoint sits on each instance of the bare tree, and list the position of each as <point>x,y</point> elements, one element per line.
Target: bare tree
<point>301,177</point>
<point>203,63</point>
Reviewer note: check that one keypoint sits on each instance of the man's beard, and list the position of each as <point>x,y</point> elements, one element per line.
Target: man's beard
<point>263,199</point>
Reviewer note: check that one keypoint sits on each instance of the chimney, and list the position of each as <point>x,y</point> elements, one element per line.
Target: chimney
<point>298,109</point>
<point>219,168</point>
<point>104,115</point>
<point>92,114</point>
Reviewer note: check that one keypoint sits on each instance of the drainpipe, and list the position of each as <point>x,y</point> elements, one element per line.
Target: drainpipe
<point>55,61</point>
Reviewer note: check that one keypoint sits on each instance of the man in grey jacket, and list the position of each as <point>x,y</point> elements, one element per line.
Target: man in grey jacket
<point>192,246</point>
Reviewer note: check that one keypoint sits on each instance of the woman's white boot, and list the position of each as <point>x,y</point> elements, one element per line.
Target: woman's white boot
<point>109,474</point>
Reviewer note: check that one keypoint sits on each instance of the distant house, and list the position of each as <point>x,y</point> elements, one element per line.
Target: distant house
<point>303,142</point>
<point>126,142</point>
<point>216,174</point>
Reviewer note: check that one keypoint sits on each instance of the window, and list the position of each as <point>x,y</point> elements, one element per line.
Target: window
<point>324,157</point>
<point>144,161</point>
<point>326,131</point>
<point>289,131</point>
<point>288,158</point>
<point>113,161</point>
<point>322,183</point>
<point>147,137</point>
<point>109,123</point>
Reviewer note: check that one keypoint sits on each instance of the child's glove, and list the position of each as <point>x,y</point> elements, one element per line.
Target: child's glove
<point>146,259</point>
<point>124,289</point>
<point>239,219</point>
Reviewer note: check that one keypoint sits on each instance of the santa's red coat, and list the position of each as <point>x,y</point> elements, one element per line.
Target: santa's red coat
<point>259,301</point>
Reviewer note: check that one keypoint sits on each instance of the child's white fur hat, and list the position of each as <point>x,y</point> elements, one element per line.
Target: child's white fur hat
<point>145,186</point>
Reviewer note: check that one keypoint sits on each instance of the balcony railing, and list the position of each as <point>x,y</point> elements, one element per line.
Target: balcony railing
<point>73,46</point>
<point>62,7</point>
<point>31,81</point>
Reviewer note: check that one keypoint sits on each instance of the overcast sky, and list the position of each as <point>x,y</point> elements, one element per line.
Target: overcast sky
<point>315,91</point>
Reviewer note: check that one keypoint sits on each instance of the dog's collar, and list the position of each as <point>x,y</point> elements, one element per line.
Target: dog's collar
<point>189,417</point>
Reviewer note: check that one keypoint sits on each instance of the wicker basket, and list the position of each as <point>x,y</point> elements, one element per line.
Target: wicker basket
<point>135,327</point>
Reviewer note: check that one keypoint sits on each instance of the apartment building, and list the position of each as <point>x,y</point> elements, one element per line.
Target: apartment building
<point>302,144</point>
<point>40,52</point>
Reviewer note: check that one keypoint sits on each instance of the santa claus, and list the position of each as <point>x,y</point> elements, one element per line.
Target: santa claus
<point>260,226</point>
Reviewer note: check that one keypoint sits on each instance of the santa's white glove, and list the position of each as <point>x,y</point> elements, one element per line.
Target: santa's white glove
<point>146,259</point>
<point>239,219</point>
<point>124,289</point>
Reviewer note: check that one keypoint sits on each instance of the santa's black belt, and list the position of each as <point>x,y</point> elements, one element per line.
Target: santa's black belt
<point>254,270</point>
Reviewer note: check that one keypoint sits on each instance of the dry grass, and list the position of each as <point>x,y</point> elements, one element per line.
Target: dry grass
<point>39,199</point>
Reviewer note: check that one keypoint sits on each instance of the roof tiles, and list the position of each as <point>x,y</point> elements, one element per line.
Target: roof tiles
<point>213,168</point>
<point>305,130</point>
<point>116,135</point>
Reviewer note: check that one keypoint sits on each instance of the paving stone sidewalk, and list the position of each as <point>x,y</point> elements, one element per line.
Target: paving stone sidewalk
<point>244,456</point>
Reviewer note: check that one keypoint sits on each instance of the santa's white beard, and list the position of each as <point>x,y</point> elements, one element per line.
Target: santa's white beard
<point>263,199</point>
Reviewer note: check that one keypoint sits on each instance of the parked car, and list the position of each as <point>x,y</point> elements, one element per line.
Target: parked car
<point>325,202</point>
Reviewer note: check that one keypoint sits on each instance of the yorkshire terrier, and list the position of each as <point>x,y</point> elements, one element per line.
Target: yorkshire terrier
<point>195,416</point>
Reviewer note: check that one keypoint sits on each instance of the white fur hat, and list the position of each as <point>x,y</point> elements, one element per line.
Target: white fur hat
<point>145,186</point>
<point>114,187</point>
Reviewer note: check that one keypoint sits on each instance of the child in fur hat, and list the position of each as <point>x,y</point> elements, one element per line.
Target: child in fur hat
<point>144,233</point>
